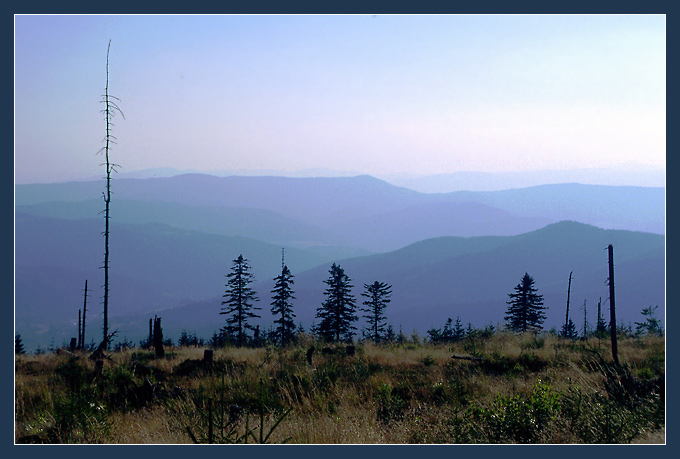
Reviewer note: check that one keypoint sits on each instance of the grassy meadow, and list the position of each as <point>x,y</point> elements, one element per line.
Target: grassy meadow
<point>515,389</point>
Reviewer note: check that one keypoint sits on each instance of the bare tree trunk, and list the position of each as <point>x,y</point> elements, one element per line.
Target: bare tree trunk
<point>82,339</point>
<point>566,321</point>
<point>80,330</point>
<point>585,319</point>
<point>110,107</point>
<point>612,305</point>
<point>150,343</point>
<point>107,197</point>
<point>158,338</point>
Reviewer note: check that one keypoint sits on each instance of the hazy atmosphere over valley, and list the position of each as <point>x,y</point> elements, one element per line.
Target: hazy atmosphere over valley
<point>444,155</point>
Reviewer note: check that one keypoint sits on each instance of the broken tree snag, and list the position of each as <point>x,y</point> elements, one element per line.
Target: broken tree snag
<point>150,341</point>
<point>82,330</point>
<point>465,357</point>
<point>158,338</point>
<point>99,352</point>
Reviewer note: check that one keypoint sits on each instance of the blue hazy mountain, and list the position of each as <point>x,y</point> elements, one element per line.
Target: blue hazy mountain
<point>153,266</point>
<point>353,212</point>
<point>613,207</point>
<point>173,239</point>
<point>471,278</point>
<point>626,175</point>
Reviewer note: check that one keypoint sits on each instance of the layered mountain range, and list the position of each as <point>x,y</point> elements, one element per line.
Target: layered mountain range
<point>446,255</point>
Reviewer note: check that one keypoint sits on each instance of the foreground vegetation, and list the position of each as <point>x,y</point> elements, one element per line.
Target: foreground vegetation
<point>507,389</point>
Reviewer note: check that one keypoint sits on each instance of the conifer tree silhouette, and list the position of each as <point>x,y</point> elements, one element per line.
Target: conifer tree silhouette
<point>238,305</point>
<point>525,310</point>
<point>338,310</point>
<point>281,306</point>
<point>18,345</point>
<point>378,296</point>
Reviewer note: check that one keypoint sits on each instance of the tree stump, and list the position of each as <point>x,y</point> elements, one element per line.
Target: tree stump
<point>208,356</point>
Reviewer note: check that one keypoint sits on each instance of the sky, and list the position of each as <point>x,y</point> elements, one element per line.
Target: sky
<point>380,95</point>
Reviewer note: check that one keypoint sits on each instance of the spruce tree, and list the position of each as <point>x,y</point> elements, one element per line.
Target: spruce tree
<point>601,327</point>
<point>238,305</point>
<point>447,332</point>
<point>569,330</point>
<point>390,336</point>
<point>18,345</point>
<point>434,335</point>
<point>378,296</point>
<point>281,306</point>
<point>525,310</point>
<point>651,325</point>
<point>338,310</point>
<point>458,331</point>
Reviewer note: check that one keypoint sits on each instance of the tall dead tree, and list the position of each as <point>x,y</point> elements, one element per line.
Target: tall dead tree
<point>110,109</point>
<point>585,319</point>
<point>82,329</point>
<point>612,305</point>
<point>601,328</point>
<point>566,321</point>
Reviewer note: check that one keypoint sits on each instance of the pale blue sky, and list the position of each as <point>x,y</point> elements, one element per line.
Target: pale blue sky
<point>377,95</point>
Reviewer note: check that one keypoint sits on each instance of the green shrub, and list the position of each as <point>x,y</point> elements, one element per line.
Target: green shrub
<point>518,419</point>
<point>390,404</point>
<point>532,362</point>
<point>428,361</point>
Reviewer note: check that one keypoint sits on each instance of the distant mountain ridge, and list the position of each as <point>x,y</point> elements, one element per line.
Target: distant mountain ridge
<point>173,240</point>
<point>158,269</point>
<point>470,278</point>
<point>623,175</point>
<point>366,213</point>
<point>153,266</point>
<point>634,175</point>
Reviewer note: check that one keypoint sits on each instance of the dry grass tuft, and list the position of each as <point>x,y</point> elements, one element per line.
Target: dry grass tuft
<point>390,394</point>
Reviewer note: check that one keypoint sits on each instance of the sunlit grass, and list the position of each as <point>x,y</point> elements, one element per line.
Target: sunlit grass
<point>396,393</point>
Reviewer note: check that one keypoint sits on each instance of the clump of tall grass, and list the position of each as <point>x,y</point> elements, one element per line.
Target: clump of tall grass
<point>516,389</point>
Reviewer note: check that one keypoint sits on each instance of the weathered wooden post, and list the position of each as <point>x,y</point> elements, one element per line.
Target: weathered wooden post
<point>612,305</point>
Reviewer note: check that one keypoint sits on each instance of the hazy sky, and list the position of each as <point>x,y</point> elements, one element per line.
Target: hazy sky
<point>374,94</point>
